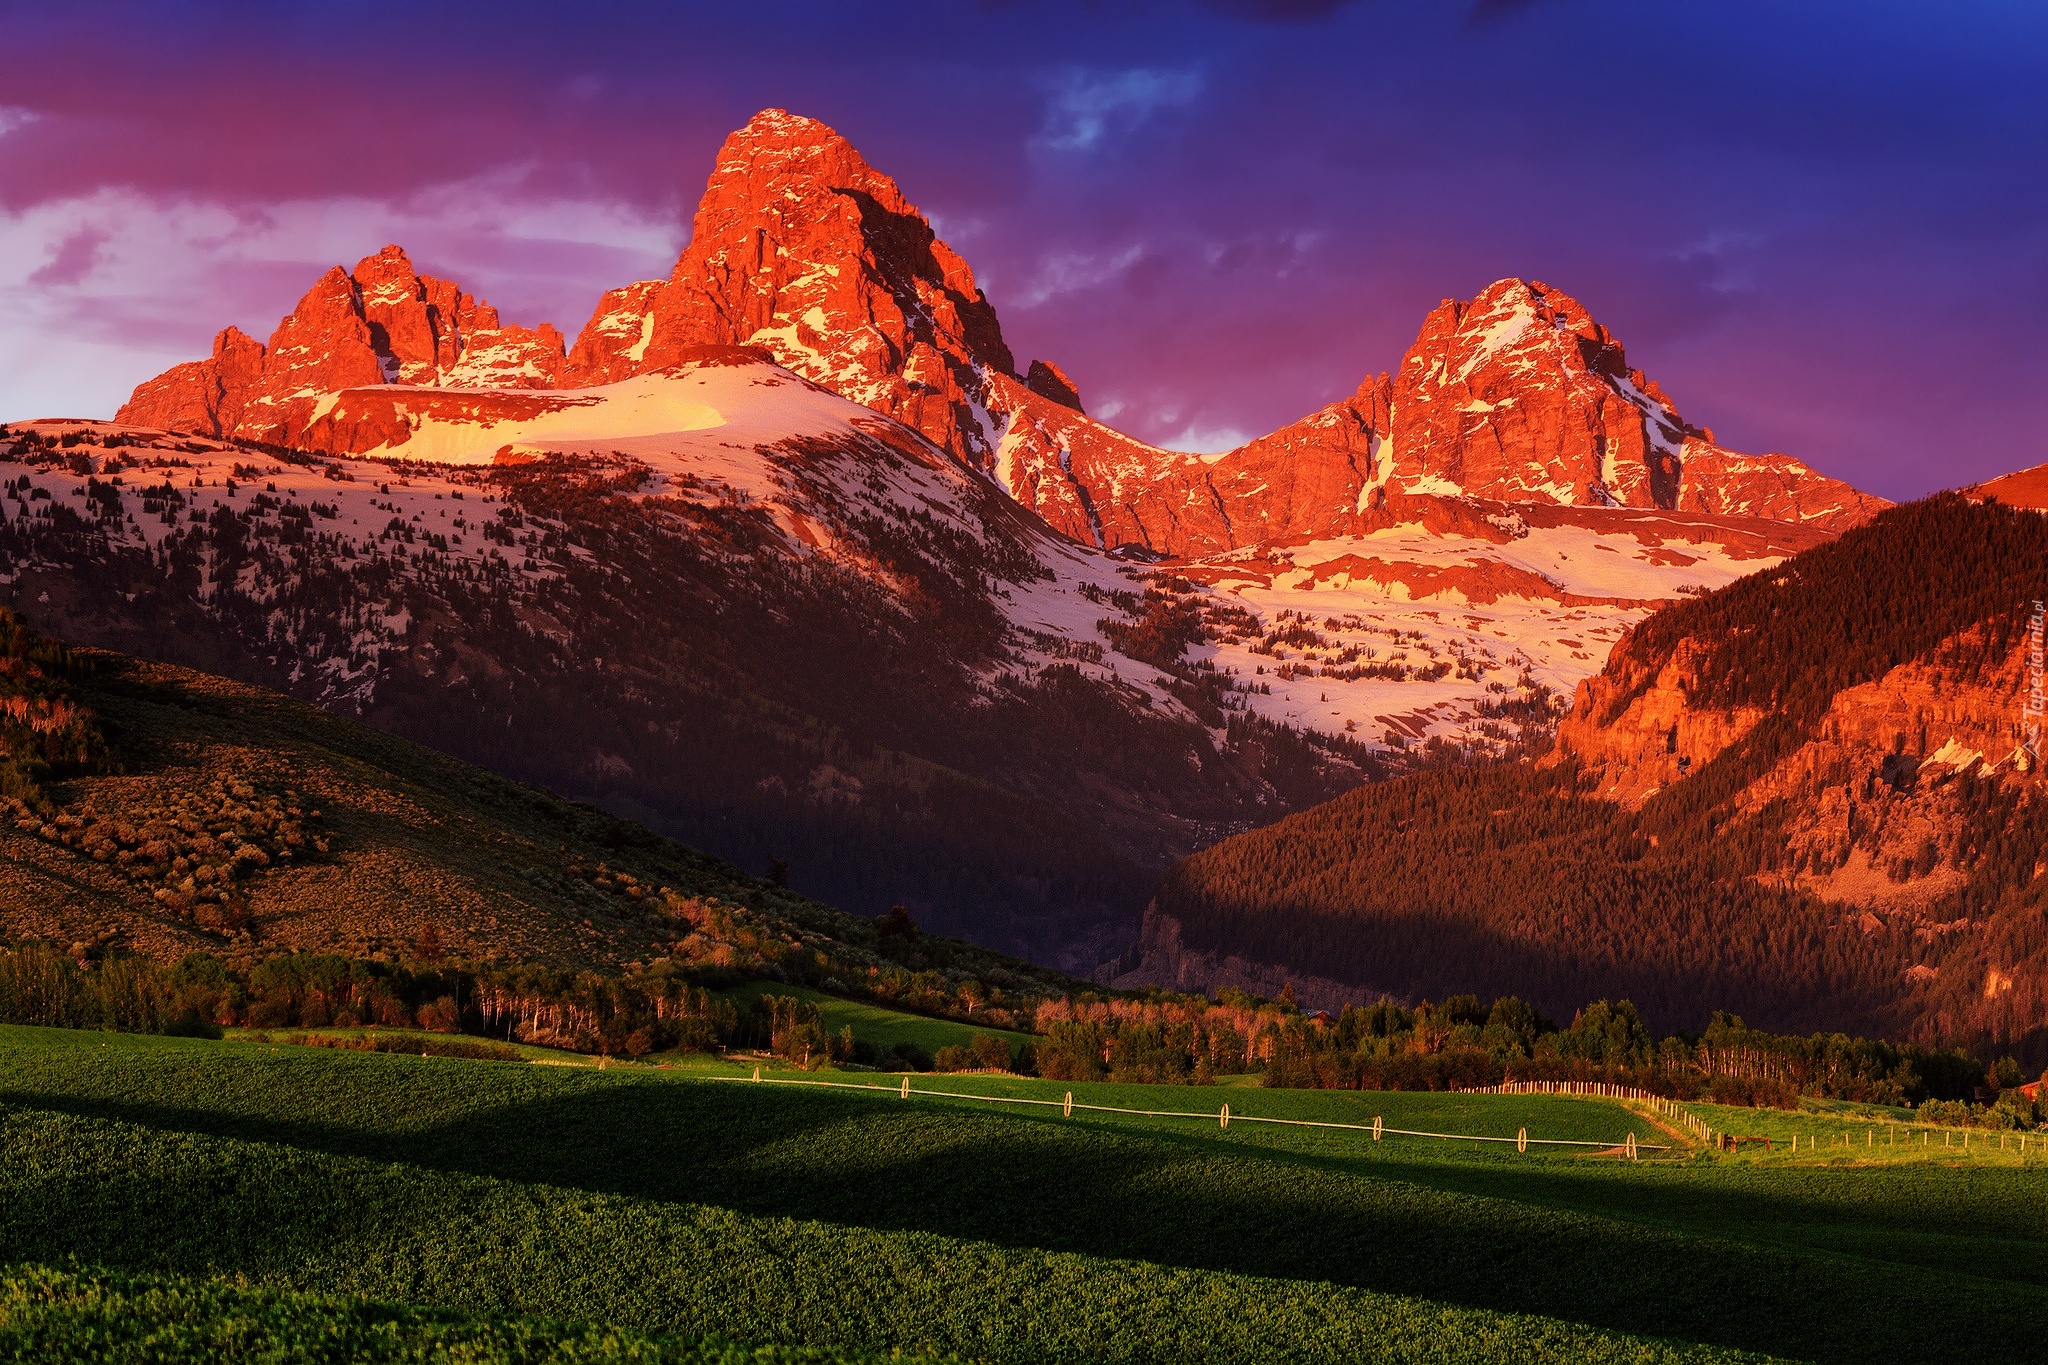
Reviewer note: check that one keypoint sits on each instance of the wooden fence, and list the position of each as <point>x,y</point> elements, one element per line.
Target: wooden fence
<point>1222,1117</point>
<point>1963,1141</point>
<point>1670,1108</point>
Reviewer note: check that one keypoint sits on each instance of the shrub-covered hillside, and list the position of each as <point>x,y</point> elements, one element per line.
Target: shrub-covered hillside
<point>158,811</point>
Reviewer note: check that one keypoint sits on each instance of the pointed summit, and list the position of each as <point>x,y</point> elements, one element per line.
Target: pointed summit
<point>1519,395</point>
<point>802,247</point>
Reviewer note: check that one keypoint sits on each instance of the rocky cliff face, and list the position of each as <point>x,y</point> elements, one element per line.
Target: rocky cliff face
<point>1874,820</point>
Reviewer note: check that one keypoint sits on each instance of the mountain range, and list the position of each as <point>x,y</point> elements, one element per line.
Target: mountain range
<point>786,555</point>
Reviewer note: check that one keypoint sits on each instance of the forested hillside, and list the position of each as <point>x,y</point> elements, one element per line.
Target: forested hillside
<point>1510,881</point>
<point>1802,798</point>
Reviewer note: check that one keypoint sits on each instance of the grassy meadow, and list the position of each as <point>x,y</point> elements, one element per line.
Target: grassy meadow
<point>1866,1134</point>
<point>405,1207</point>
<point>876,1024</point>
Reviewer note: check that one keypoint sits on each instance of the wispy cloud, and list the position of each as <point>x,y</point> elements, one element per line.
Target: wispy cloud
<point>1723,262</point>
<point>1067,271</point>
<point>73,257</point>
<point>1207,438</point>
<point>1089,107</point>
<point>12,118</point>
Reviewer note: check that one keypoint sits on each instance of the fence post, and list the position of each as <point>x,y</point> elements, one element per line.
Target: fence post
<point>906,1086</point>
<point>1631,1146</point>
<point>1375,1127</point>
<point>757,1073</point>
<point>1067,1109</point>
<point>1226,1116</point>
<point>1522,1140</point>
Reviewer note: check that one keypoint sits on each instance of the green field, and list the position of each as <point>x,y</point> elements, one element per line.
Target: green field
<point>1861,1134</point>
<point>876,1024</point>
<point>437,1208</point>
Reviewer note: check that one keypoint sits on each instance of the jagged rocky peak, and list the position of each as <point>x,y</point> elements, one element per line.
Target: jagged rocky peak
<point>1519,395</point>
<point>801,246</point>
<point>381,323</point>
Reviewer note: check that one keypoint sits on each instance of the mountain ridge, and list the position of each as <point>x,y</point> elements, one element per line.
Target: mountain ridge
<point>801,247</point>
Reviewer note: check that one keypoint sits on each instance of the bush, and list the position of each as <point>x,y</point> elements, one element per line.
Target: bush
<point>1945,1111</point>
<point>188,1024</point>
<point>991,1053</point>
<point>909,1057</point>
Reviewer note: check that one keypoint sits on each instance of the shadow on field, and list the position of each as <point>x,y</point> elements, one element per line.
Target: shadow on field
<point>1601,1248</point>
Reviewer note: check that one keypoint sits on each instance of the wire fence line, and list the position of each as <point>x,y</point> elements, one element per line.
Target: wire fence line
<point>1953,1139</point>
<point>1222,1117</point>
<point>1664,1105</point>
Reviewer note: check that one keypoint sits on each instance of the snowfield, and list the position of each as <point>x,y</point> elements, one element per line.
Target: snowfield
<point>1391,638</point>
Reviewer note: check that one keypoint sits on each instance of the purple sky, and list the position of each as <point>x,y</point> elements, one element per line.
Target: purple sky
<point>1822,227</point>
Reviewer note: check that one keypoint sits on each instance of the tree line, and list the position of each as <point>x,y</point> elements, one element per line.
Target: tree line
<point>1158,1038</point>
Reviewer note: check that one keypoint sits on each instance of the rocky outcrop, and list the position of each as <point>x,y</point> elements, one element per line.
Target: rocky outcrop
<point>1886,839</point>
<point>1771,486</point>
<point>1519,395</point>
<point>1048,380</point>
<point>614,341</point>
<point>1638,733</point>
<point>205,396</point>
<point>1161,958</point>
<point>1312,478</point>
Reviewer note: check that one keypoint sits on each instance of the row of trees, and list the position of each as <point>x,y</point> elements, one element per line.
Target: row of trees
<point>1461,1043</point>
<point>640,1012</point>
<point>1458,1043</point>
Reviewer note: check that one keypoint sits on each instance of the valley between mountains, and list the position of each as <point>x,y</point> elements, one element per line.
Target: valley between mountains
<point>1495,674</point>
